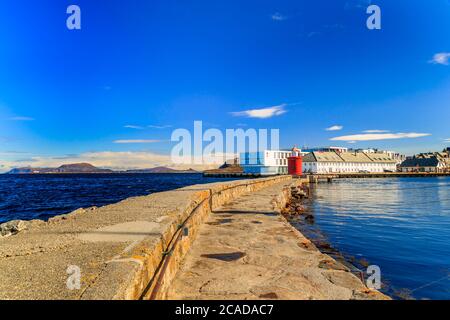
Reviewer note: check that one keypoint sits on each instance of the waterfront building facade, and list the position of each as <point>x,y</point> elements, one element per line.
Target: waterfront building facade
<point>348,162</point>
<point>267,162</point>
<point>398,157</point>
<point>427,162</point>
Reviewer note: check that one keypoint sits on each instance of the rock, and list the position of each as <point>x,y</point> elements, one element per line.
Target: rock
<point>70,215</point>
<point>332,265</point>
<point>12,227</point>
<point>35,223</point>
<point>322,245</point>
<point>364,262</point>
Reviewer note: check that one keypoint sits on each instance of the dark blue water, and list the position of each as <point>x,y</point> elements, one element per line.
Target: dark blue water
<point>400,224</point>
<point>29,197</point>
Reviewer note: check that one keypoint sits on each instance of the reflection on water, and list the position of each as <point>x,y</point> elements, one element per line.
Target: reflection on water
<point>399,224</point>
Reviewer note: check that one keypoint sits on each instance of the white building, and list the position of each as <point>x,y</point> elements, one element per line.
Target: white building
<point>347,162</point>
<point>427,162</point>
<point>325,149</point>
<point>267,162</point>
<point>399,158</point>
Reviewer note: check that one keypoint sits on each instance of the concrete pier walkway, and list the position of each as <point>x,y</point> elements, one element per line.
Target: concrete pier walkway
<point>112,252</point>
<point>247,250</point>
<point>222,240</point>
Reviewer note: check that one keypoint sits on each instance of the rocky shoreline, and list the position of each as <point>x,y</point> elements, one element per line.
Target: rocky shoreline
<point>299,216</point>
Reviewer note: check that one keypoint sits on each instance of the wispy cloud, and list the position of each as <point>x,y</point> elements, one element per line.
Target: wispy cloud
<point>447,140</point>
<point>441,58</point>
<point>136,141</point>
<point>278,16</point>
<point>130,126</point>
<point>376,131</point>
<point>380,136</point>
<point>21,118</point>
<point>13,153</point>
<point>334,128</point>
<point>263,113</point>
<point>159,127</point>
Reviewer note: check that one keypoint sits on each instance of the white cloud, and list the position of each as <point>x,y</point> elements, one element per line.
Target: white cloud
<point>104,159</point>
<point>376,131</point>
<point>136,141</point>
<point>13,153</point>
<point>131,126</point>
<point>262,113</point>
<point>20,118</point>
<point>122,160</point>
<point>441,58</point>
<point>380,136</point>
<point>334,128</point>
<point>447,140</point>
<point>278,17</point>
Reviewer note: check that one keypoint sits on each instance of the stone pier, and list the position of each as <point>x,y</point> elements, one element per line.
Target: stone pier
<point>248,250</point>
<point>223,240</point>
<point>118,248</point>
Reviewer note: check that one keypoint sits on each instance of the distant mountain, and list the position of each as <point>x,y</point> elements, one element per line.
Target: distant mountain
<point>66,168</point>
<point>226,168</point>
<point>161,170</point>
<point>89,168</point>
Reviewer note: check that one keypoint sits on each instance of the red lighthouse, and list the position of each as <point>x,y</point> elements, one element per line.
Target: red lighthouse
<point>295,163</point>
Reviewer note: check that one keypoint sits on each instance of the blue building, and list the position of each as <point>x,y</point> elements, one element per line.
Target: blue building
<point>267,162</point>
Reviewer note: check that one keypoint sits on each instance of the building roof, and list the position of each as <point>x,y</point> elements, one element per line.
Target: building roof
<point>380,157</point>
<point>325,156</point>
<point>420,162</point>
<point>359,157</point>
<point>354,157</point>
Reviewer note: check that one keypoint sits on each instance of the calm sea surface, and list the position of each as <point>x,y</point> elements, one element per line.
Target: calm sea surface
<point>400,224</point>
<point>29,197</point>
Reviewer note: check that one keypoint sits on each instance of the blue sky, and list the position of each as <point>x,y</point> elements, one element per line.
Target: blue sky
<point>139,69</point>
